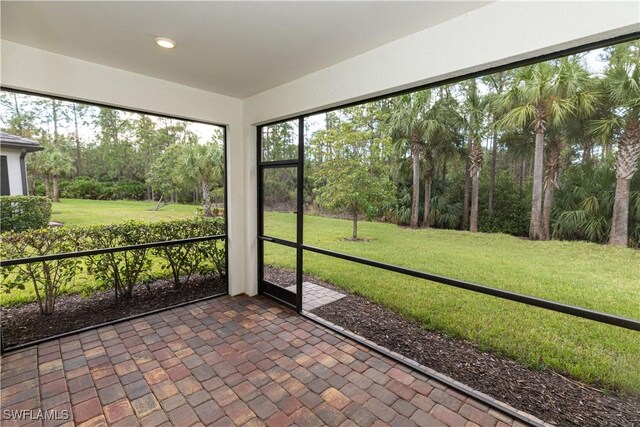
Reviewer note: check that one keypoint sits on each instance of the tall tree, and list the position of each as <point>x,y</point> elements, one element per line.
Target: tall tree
<point>620,90</point>
<point>497,84</point>
<point>574,83</point>
<point>475,115</point>
<point>541,95</point>
<point>79,112</point>
<point>412,125</point>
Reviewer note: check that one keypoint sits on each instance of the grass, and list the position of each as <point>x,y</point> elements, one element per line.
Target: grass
<point>94,212</point>
<point>593,276</point>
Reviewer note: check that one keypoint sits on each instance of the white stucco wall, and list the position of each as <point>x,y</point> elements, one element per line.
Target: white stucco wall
<point>30,69</point>
<point>13,169</point>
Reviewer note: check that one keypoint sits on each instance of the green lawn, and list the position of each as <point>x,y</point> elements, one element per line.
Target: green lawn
<point>584,274</point>
<point>93,212</point>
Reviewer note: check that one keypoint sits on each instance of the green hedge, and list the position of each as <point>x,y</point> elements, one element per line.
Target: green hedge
<point>85,188</point>
<point>20,213</point>
<point>120,271</point>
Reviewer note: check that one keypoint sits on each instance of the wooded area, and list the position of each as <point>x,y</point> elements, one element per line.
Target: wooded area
<point>546,151</point>
<point>104,153</point>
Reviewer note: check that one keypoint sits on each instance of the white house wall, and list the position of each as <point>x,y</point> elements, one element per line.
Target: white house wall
<point>30,69</point>
<point>13,170</point>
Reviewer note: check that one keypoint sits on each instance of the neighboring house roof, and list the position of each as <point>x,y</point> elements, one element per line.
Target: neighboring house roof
<point>13,141</point>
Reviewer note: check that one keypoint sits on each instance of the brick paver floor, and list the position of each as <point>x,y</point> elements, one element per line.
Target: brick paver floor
<point>227,361</point>
<point>314,296</point>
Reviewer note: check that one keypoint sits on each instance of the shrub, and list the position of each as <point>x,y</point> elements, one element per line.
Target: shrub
<point>213,251</point>
<point>46,277</point>
<point>511,208</point>
<point>122,270</point>
<point>82,188</point>
<point>86,188</point>
<point>183,260</point>
<point>20,213</point>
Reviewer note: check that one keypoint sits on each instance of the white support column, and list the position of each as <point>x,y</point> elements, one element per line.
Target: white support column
<point>236,209</point>
<point>251,204</point>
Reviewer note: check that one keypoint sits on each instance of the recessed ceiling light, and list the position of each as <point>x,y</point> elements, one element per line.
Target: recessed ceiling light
<point>165,42</point>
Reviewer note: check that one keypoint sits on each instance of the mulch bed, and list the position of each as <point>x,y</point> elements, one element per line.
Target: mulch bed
<point>544,394</point>
<point>286,278</point>
<point>23,323</point>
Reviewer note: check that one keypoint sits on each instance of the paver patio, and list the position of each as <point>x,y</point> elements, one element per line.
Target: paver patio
<point>314,296</point>
<point>226,361</point>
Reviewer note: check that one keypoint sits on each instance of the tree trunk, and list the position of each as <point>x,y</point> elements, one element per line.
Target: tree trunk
<point>47,186</point>
<point>535,231</point>
<point>355,225</point>
<point>415,154</point>
<point>465,206</point>
<point>587,153</point>
<point>492,171</point>
<point>551,183</point>
<point>56,188</point>
<point>523,173</point>
<point>78,148</point>
<point>619,225</point>
<point>626,166</point>
<point>475,162</point>
<point>475,185</point>
<point>54,110</point>
<point>546,211</point>
<point>428,179</point>
<point>427,200</point>
<point>206,200</point>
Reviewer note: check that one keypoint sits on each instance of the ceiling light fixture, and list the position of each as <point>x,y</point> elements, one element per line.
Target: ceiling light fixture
<point>165,42</point>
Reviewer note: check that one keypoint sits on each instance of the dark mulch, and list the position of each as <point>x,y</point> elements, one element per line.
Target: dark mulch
<point>545,394</point>
<point>23,323</point>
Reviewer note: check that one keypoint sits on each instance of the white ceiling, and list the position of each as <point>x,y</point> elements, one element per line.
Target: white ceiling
<point>233,48</point>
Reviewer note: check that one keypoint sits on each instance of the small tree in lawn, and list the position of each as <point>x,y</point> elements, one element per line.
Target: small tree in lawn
<point>53,164</point>
<point>163,175</point>
<point>352,185</point>
<point>203,164</point>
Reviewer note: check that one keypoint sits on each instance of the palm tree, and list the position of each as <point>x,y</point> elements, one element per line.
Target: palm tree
<point>497,83</point>
<point>574,82</point>
<point>203,163</point>
<point>412,125</point>
<point>620,89</point>
<point>542,95</point>
<point>551,177</point>
<point>474,116</point>
<point>53,164</point>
